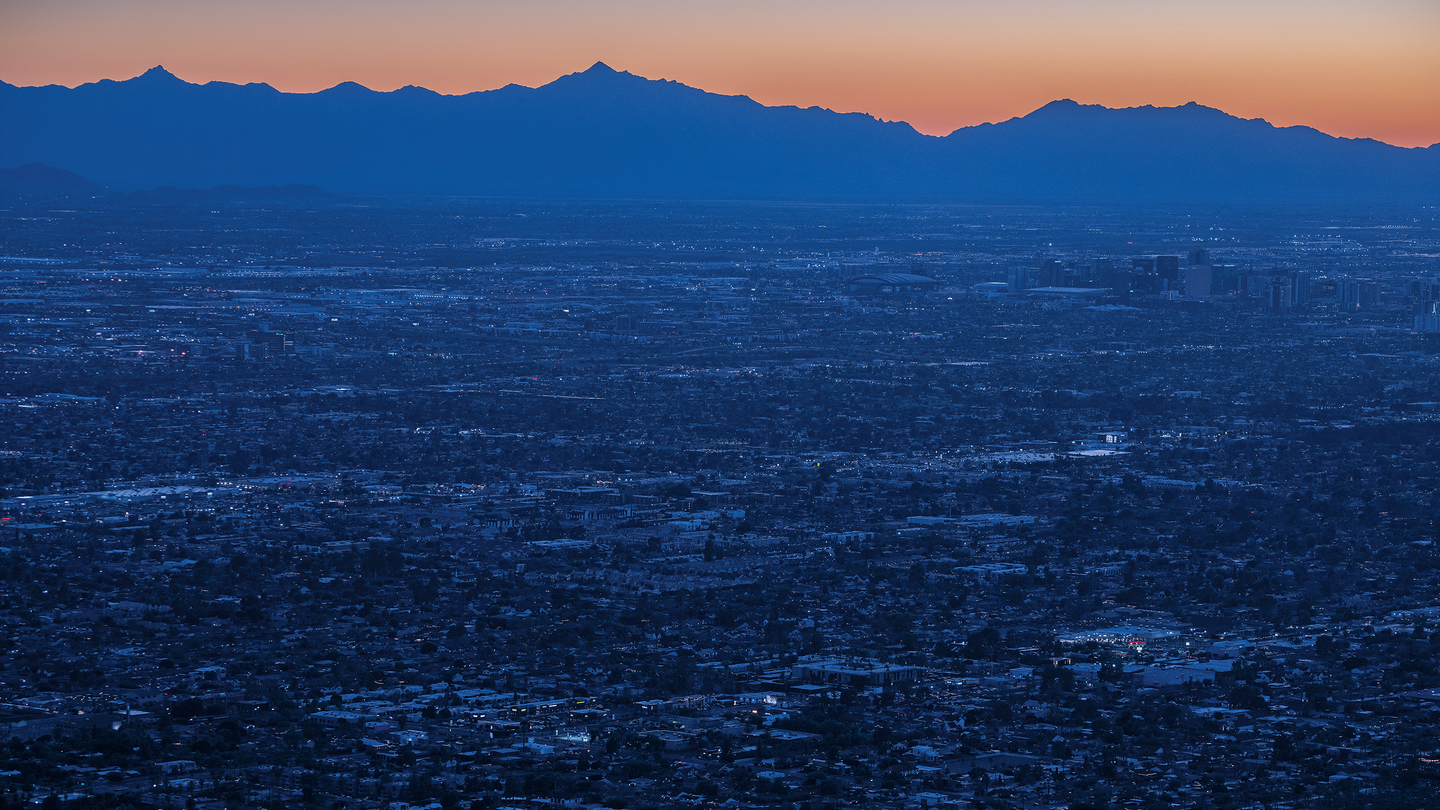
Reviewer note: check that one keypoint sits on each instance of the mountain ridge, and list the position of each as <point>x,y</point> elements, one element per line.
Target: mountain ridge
<point>602,68</point>
<point>40,180</point>
<point>602,132</point>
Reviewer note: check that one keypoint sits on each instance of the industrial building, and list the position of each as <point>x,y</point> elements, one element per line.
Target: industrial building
<point>890,284</point>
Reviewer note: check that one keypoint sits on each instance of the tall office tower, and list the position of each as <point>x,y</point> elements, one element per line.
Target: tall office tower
<point>277,343</point>
<point>1199,280</point>
<point>1281,294</point>
<point>1425,296</point>
<point>1369,292</point>
<point>1349,294</point>
<point>1144,279</point>
<point>1123,281</point>
<point>1200,256</point>
<point>1105,272</point>
<point>1052,273</point>
<point>1300,283</point>
<point>1226,278</point>
<point>1169,269</point>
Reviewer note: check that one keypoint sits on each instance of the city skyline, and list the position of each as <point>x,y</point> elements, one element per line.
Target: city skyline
<point>1349,71</point>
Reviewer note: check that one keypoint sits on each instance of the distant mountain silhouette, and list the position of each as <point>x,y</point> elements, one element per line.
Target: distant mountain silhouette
<point>1071,151</point>
<point>165,195</point>
<point>37,179</point>
<point>604,133</point>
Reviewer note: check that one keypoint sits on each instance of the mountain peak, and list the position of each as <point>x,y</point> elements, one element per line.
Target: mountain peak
<point>599,77</point>
<point>1061,107</point>
<point>600,72</point>
<point>43,180</point>
<point>349,88</point>
<point>1068,109</point>
<point>159,74</point>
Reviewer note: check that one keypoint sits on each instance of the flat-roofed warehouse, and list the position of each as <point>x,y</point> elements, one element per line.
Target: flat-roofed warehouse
<point>890,284</point>
<point>1068,292</point>
<point>850,671</point>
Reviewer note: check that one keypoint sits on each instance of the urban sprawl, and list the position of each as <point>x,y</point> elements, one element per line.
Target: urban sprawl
<point>507,505</point>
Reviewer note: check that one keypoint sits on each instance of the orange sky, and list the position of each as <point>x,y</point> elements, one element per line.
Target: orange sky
<point>1356,69</point>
